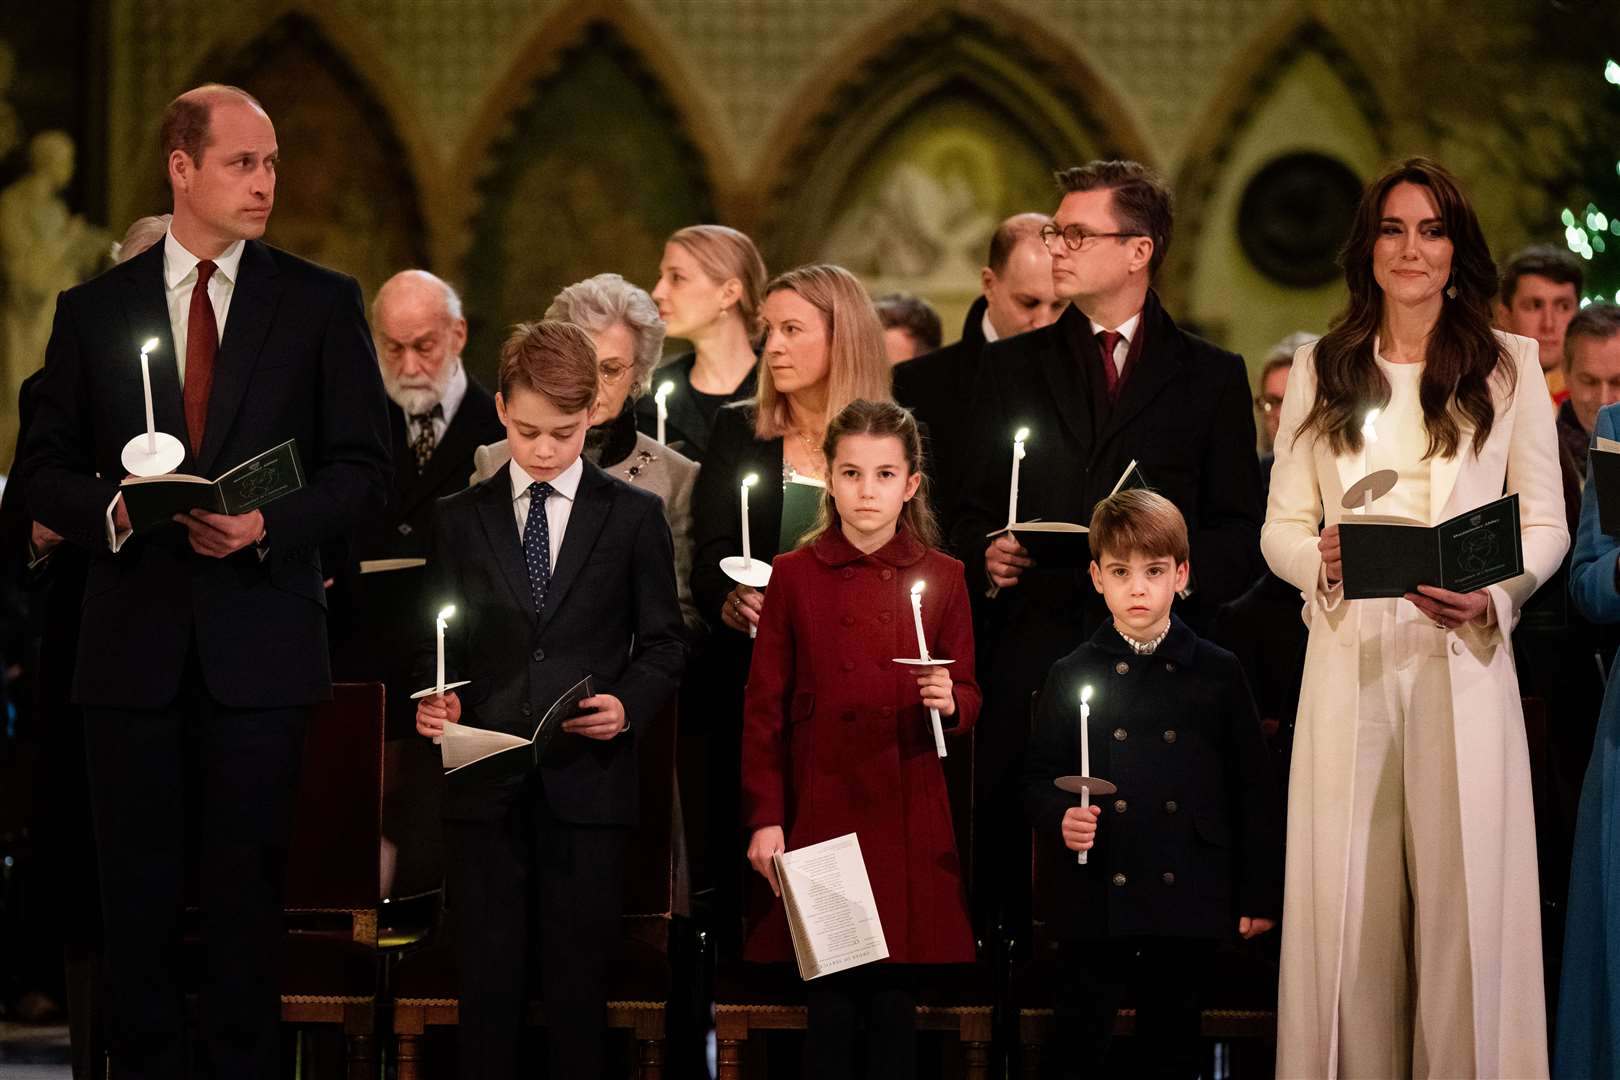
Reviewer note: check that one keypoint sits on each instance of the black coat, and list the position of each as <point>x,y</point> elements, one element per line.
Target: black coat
<point>377,618</point>
<point>611,612</point>
<point>938,388</point>
<point>686,429</point>
<point>1192,840</point>
<point>1185,414</point>
<point>296,362</point>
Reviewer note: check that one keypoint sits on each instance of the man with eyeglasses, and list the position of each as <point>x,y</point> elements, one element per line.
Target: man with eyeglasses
<point>1112,381</point>
<point>438,416</point>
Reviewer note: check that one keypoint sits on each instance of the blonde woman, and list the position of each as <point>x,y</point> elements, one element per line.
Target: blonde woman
<point>711,283</point>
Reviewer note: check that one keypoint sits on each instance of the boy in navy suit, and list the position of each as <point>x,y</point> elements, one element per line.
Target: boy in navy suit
<point>557,571</point>
<point>1188,851</point>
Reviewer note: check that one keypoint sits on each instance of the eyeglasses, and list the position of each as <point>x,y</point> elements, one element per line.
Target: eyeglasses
<point>1077,237</point>
<point>612,373</point>
<point>1268,403</point>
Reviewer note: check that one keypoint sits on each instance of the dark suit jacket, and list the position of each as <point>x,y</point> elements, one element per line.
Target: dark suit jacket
<point>611,613</point>
<point>296,362</point>
<point>377,619</point>
<point>1193,838</point>
<point>938,389</point>
<point>1184,413</point>
<point>686,429</point>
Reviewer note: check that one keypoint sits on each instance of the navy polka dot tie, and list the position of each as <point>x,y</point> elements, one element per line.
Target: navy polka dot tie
<point>537,543</point>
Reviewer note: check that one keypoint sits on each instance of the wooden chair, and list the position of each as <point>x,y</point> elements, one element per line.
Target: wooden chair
<point>425,984</point>
<point>329,964</point>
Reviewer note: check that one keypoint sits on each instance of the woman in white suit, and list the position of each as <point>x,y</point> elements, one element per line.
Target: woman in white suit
<point>1411,930</point>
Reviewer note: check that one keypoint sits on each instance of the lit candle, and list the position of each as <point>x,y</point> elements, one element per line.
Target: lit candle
<point>661,398</point>
<point>1085,754</point>
<point>146,385</point>
<point>439,624</point>
<point>1369,435</point>
<point>1012,493</point>
<point>747,552</point>
<point>922,654</point>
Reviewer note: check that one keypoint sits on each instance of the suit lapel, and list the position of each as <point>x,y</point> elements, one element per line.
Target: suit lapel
<point>592,502</point>
<point>500,529</point>
<point>253,305</point>
<point>1066,379</point>
<point>147,312</point>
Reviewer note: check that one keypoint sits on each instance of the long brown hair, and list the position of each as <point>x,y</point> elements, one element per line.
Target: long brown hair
<point>1462,354</point>
<point>857,363</point>
<point>880,419</point>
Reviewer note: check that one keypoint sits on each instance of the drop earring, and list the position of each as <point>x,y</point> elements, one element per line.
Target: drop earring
<point>1451,291</point>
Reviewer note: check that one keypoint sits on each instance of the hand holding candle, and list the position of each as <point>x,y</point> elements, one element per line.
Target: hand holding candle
<point>922,654</point>
<point>661,399</point>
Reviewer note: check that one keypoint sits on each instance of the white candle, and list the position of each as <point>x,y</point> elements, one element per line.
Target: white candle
<point>146,385</point>
<point>1085,753</point>
<point>916,615</point>
<point>1012,493</point>
<point>661,398</point>
<point>922,654</point>
<point>1369,435</point>
<point>438,625</point>
<point>748,481</point>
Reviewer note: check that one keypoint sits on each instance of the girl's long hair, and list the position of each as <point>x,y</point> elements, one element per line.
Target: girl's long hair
<point>1462,355</point>
<point>879,419</point>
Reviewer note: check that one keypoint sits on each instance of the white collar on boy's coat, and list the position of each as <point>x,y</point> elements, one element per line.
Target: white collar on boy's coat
<point>1443,471</point>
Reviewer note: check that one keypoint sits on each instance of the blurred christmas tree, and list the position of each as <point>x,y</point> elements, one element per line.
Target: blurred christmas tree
<point>1593,232</point>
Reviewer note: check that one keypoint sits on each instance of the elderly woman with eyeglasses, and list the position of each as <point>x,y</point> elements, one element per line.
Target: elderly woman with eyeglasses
<point>623,322</point>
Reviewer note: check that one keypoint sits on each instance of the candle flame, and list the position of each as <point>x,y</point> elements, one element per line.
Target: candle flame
<point>1085,694</point>
<point>446,611</point>
<point>916,590</point>
<point>148,345</point>
<point>750,480</point>
<point>664,390</point>
<point>1021,434</point>
<point>1367,424</point>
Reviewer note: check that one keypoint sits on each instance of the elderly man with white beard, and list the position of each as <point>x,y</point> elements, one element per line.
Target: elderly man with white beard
<point>438,416</point>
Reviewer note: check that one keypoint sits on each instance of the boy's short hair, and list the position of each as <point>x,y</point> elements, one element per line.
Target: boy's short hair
<point>555,359</point>
<point>1138,522</point>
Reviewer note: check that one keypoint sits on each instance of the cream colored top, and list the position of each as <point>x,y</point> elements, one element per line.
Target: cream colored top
<point>1400,445</point>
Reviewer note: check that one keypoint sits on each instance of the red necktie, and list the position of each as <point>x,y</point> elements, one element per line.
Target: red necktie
<point>202,341</point>
<point>1107,340</point>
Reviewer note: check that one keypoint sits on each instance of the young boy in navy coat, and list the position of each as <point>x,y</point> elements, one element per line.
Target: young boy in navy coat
<point>557,571</point>
<point>1188,851</point>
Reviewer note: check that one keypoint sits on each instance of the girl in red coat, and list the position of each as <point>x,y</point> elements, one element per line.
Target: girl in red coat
<point>837,737</point>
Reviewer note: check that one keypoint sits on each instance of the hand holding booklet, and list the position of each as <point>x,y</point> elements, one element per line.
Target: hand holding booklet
<point>1392,556</point>
<point>832,916</point>
<point>152,501</point>
<point>473,755</point>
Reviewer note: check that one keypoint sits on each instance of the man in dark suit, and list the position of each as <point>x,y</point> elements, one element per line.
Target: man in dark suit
<point>1016,297</point>
<point>203,644</point>
<point>557,571</point>
<point>1111,381</point>
<point>379,609</point>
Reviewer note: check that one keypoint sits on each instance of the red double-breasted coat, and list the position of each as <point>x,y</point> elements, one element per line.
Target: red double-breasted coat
<point>836,739</point>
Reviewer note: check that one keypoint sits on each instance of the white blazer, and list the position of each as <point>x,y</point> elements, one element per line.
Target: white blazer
<point>1500,894</point>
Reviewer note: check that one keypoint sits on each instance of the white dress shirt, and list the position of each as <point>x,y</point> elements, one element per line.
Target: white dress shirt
<point>180,278</point>
<point>1126,331</point>
<point>988,328</point>
<point>558,506</point>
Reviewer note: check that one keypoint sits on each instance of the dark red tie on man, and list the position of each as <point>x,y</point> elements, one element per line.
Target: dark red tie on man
<point>1107,341</point>
<point>202,341</point>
